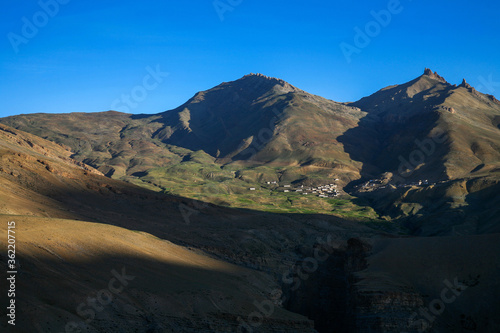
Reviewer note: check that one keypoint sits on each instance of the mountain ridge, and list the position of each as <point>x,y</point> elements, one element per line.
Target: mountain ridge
<point>260,129</point>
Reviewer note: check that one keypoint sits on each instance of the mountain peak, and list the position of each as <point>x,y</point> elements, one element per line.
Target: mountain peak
<point>259,79</point>
<point>434,75</point>
<point>464,84</point>
<point>264,77</point>
<point>427,71</point>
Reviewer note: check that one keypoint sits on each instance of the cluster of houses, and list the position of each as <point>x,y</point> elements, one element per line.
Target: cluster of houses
<point>379,184</point>
<point>418,183</point>
<point>331,190</point>
<point>322,191</point>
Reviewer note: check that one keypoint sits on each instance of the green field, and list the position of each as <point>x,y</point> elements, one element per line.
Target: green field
<point>198,177</point>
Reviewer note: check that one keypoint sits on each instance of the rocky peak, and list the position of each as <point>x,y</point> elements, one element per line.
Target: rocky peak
<point>434,75</point>
<point>464,84</point>
<point>258,78</point>
<point>262,76</point>
<point>476,93</point>
<point>428,71</point>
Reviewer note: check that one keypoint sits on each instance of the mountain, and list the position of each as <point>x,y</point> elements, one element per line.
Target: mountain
<point>246,133</point>
<point>301,264</point>
<point>443,134</point>
<point>428,129</point>
<point>256,120</point>
<point>259,119</point>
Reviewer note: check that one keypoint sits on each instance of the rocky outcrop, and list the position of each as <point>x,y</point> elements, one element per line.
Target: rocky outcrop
<point>434,75</point>
<point>493,99</point>
<point>280,86</point>
<point>446,108</point>
<point>485,97</point>
<point>471,89</point>
<point>464,84</point>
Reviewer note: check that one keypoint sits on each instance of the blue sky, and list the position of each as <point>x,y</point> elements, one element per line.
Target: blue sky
<point>87,56</point>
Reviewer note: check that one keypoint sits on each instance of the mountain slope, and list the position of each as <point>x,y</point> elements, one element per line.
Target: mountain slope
<point>428,129</point>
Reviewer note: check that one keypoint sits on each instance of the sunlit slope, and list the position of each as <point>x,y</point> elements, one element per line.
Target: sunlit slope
<point>428,129</point>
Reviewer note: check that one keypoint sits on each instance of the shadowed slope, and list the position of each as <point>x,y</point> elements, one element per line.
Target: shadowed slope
<point>107,279</point>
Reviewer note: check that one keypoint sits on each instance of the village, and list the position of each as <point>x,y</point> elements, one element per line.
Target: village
<point>332,190</point>
<point>322,191</point>
<point>375,184</point>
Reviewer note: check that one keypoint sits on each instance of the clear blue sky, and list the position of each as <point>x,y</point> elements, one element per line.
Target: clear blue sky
<point>88,54</point>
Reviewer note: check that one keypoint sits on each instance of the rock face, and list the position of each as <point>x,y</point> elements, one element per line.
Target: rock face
<point>373,310</point>
<point>323,297</point>
<point>346,301</point>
